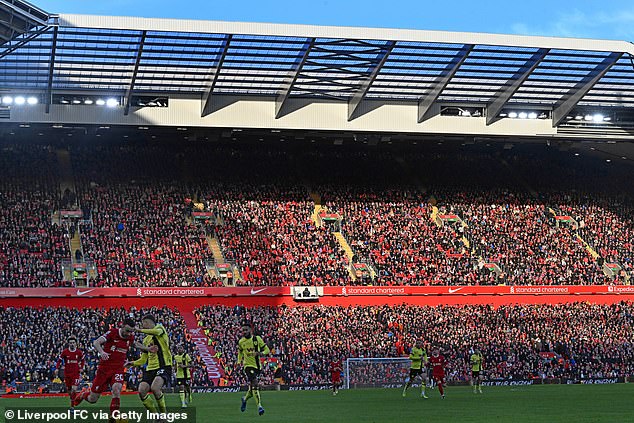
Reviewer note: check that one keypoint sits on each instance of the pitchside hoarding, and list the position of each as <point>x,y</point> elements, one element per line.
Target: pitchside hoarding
<point>327,291</point>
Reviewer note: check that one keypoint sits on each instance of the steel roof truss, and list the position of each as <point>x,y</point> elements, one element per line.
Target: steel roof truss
<point>289,82</point>
<point>575,94</point>
<point>505,94</point>
<point>137,62</point>
<point>213,77</point>
<point>359,95</point>
<point>425,103</point>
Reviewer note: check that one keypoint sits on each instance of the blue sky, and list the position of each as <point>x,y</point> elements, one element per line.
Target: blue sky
<point>609,19</point>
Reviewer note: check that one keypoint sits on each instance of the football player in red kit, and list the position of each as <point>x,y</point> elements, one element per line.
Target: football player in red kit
<point>112,348</point>
<point>72,361</point>
<point>335,375</point>
<point>437,363</point>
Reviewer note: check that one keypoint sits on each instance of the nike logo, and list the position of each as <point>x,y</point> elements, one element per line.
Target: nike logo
<point>80,292</point>
<point>257,291</point>
<point>452,290</point>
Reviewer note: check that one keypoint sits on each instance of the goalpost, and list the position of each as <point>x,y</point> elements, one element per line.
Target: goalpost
<point>386,372</point>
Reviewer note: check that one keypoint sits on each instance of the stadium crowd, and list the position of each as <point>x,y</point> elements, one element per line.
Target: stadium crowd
<point>137,227</point>
<point>405,245</point>
<point>139,231</point>
<point>267,229</point>
<point>575,340</point>
<point>513,226</point>
<point>289,249</point>
<point>32,339</point>
<point>607,225</point>
<point>31,244</point>
<point>139,236</point>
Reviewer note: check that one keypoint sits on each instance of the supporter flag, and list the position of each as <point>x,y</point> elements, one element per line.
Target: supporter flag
<point>329,217</point>
<point>448,217</point>
<point>565,219</point>
<point>361,270</point>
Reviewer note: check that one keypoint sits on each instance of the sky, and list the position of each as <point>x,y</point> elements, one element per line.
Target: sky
<point>602,19</point>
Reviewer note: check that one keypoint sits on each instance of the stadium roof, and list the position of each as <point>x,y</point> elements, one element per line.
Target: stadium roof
<point>18,17</point>
<point>127,56</point>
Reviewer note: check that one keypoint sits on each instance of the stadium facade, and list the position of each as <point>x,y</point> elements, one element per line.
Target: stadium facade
<point>340,80</point>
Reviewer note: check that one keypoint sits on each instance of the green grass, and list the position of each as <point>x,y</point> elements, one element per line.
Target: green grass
<point>534,404</point>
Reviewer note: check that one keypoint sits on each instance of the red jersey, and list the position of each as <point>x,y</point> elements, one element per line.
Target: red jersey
<point>117,347</point>
<point>437,365</point>
<point>73,362</point>
<point>335,367</point>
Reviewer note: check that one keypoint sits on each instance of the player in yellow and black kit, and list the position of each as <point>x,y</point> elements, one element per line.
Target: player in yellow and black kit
<point>250,349</point>
<point>477,361</point>
<point>418,355</point>
<point>183,363</point>
<point>158,371</point>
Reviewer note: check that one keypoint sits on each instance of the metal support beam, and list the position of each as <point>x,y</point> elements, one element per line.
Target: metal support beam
<point>504,95</point>
<point>215,72</point>
<point>23,41</point>
<point>23,10</point>
<point>287,87</point>
<point>358,96</point>
<point>576,93</point>
<point>425,104</point>
<point>137,62</point>
<point>51,71</point>
<point>12,26</point>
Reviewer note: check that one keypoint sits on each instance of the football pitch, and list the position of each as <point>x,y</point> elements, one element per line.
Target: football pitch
<point>548,403</point>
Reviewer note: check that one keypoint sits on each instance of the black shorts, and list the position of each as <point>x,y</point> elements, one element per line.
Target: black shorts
<point>415,372</point>
<point>252,373</point>
<point>475,374</point>
<point>164,373</point>
<point>182,381</point>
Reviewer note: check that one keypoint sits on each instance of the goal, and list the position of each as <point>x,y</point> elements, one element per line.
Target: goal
<point>376,372</point>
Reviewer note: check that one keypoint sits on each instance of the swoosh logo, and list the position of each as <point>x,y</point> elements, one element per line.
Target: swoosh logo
<point>453,290</point>
<point>257,291</point>
<point>80,292</point>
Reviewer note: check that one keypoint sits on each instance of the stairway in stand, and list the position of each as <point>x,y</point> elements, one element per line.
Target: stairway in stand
<point>214,246</point>
<point>341,239</point>
<point>589,248</point>
<point>317,209</point>
<point>349,253</point>
<point>67,182</point>
<point>219,258</point>
<point>75,244</point>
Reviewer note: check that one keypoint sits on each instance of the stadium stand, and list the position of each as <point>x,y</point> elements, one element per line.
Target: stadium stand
<point>253,157</point>
<point>430,216</point>
<point>139,230</point>
<point>575,340</point>
<point>518,341</point>
<point>32,339</point>
<point>32,245</point>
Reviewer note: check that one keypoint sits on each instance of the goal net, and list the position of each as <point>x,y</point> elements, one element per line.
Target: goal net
<point>376,372</point>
